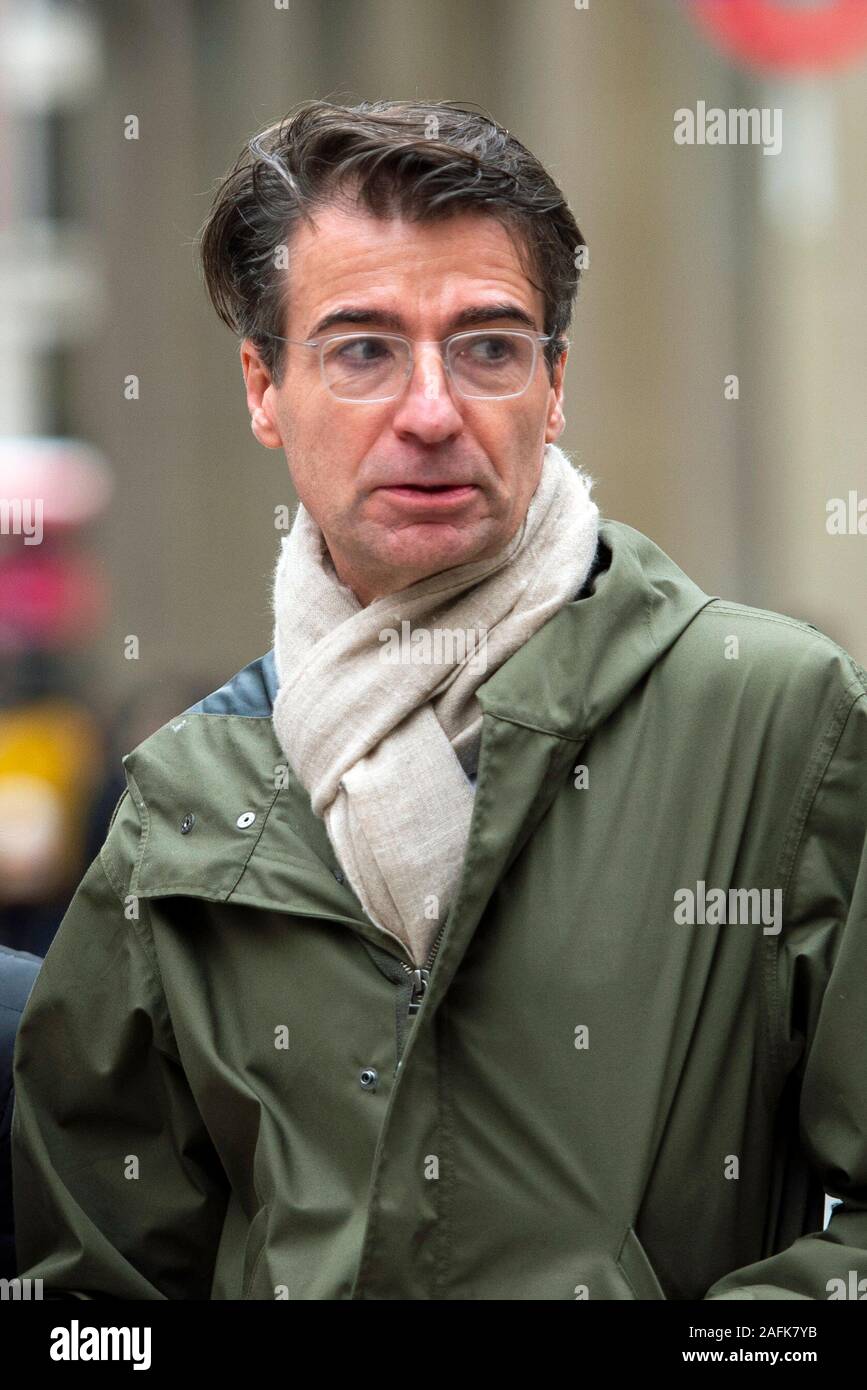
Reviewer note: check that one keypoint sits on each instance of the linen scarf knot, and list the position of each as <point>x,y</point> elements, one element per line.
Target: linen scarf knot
<point>376,708</point>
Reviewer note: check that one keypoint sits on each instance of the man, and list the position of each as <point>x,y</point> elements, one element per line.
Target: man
<point>501,932</point>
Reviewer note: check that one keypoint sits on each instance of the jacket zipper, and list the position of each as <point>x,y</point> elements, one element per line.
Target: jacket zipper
<point>421,976</point>
<point>417,979</point>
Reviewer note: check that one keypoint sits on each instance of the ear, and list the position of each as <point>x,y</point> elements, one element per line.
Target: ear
<point>260,397</point>
<point>556,420</point>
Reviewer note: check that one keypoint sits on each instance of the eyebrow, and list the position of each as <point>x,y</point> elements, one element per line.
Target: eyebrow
<point>475,315</point>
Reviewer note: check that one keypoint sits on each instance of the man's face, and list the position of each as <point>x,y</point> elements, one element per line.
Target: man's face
<point>361,468</point>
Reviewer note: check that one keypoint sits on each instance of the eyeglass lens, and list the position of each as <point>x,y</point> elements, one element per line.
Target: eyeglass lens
<point>372,366</point>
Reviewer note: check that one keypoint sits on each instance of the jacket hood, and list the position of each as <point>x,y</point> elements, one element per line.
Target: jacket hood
<point>253,835</point>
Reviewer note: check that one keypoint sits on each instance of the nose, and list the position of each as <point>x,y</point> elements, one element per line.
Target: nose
<point>427,409</point>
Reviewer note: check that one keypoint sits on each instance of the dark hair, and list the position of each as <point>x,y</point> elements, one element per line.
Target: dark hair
<point>422,160</point>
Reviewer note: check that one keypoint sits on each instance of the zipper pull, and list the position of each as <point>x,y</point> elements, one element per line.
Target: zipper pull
<point>420,980</point>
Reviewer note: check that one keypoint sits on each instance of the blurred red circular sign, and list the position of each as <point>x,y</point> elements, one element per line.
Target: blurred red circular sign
<point>776,36</point>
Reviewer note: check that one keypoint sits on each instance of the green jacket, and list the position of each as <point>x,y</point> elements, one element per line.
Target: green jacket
<point>231,1084</point>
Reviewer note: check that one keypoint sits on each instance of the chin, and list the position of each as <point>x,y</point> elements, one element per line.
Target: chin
<point>429,559</point>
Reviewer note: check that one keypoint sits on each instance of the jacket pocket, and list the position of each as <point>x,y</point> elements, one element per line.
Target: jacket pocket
<point>636,1268</point>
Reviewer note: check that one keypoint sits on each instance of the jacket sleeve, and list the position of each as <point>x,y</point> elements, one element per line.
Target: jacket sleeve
<point>118,1190</point>
<point>822,1023</point>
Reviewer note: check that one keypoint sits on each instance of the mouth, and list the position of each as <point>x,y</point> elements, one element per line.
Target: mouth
<point>431,495</point>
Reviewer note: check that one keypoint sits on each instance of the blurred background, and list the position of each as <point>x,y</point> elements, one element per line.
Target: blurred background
<point>715,386</point>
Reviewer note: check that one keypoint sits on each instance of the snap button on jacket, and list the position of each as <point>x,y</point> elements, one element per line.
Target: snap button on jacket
<point>632,1067</point>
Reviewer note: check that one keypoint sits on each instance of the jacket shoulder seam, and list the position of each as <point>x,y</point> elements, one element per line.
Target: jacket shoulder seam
<point>106,852</point>
<point>144,816</point>
<point>765,615</point>
<point>116,887</point>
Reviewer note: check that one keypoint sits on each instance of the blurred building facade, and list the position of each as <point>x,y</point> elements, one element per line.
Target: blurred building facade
<point>706,263</point>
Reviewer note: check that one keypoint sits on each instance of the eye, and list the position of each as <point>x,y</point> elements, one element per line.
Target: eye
<point>361,351</point>
<point>491,350</point>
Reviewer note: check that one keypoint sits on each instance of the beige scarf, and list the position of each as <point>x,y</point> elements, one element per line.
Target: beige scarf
<point>376,709</point>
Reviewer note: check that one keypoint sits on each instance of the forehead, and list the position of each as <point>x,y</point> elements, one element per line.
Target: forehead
<point>351,256</point>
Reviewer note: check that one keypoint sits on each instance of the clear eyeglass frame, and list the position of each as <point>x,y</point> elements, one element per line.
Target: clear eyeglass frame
<point>446,343</point>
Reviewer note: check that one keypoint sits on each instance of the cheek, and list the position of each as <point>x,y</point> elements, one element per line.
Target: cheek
<point>327,454</point>
<point>524,445</point>
<point>528,468</point>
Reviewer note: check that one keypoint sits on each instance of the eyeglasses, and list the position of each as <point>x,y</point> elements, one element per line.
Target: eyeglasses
<point>481,364</point>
